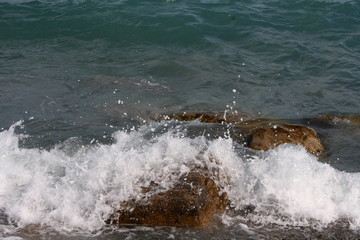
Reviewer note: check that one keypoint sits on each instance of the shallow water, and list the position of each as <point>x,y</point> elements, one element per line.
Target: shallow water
<point>86,78</point>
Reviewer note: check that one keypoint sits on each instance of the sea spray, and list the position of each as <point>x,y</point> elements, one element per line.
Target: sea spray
<point>77,188</point>
<point>290,186</point>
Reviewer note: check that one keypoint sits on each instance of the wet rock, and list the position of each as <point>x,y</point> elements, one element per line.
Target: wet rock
<point>193,201</point>
<point>261,133</point>
<point>333,121</point>
<point>252,124</point>
<point>206,117</point>
<point>350,119</point>
<point>268,138</point>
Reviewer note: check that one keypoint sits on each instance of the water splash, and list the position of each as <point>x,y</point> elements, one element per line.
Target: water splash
<point>77,188</point>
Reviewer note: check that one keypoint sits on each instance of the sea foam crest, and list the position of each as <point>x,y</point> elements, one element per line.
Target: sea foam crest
<point>78,190</point>
<point>290,186</point>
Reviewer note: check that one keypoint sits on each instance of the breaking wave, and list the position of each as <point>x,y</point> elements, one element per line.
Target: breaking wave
<point>76,188</point>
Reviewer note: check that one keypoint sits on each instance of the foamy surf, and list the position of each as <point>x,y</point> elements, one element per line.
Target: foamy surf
<point>75,189</point>
<point>290,186</point>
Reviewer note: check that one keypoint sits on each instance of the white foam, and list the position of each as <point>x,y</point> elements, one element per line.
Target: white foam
<point>289,185</point>
<point>77,190</point>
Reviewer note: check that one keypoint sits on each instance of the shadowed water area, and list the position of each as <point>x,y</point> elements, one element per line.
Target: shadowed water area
<point>83,84</point>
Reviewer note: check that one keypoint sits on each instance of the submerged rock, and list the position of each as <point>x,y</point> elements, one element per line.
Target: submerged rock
<point>350,119</point>
<point>206,117</point>
<point>333,121</point>
<point>193,201</point>
<point>268,138</point>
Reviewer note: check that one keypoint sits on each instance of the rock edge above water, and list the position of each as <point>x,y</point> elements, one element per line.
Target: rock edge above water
<point>260,134</point>
<point>268,138</point>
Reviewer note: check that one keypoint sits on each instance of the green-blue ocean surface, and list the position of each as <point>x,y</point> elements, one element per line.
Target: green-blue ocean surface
<point>81,82</point>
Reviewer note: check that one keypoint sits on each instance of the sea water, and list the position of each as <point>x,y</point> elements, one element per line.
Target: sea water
<point>81,83</point>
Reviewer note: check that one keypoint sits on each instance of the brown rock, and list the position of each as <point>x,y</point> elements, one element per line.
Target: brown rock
<point>191,202</point>
<point>268,138</point>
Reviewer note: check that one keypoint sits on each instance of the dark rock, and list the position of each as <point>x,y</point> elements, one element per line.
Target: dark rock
<point>193,201</point>
<point>252,124</point>
<point>335,119</point>
<point>268,138</point>
<point>206,117</point>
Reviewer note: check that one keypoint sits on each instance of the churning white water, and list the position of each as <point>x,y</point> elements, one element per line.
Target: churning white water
<point>69,189</point>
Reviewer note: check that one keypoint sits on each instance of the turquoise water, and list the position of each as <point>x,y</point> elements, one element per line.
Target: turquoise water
<point>78,72</point>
